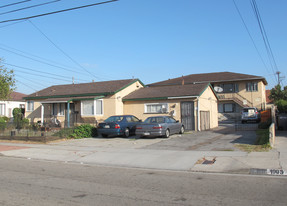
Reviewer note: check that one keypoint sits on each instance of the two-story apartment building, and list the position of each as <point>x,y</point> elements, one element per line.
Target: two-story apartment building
<point>234,90</point>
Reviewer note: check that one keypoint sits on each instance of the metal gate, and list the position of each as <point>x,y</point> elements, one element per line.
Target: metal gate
<point>187,115</point>
<point>204,120</point>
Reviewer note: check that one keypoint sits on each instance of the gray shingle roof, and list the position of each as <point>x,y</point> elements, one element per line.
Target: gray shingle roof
<point>167,91</point>
<point>210,77</point>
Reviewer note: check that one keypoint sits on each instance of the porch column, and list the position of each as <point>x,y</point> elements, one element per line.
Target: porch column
<point>68,114</point>
<point>42,114</point>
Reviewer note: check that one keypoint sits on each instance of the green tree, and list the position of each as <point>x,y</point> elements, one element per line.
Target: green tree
<point>7,82</point>
<point>280,98</point>
<point>277,93</point>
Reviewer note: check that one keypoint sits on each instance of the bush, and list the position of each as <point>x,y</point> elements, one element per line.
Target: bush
<point>263,138</point>
<point>65,133</point>
<point>84,131</point>
<point>265,125</point>
<point>3,123</point>
<point>282,106</point>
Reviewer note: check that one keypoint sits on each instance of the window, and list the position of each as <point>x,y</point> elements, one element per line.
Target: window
<point>156,108</point>
<point>99,107</point>
<point>92,107</point>
<point>2,109</point>
<point>88,107</point>
<point>30,106</point>
<point>54,109</point>
<point>229,88</point>
<point>61,109</point>
<point>251,87</point>
<point>226,108</point>
<point>171,120</point>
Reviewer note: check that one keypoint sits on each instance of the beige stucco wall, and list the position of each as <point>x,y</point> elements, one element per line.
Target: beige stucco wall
<point>137,108</point>
<point>257,98</point>
<point>112,105</point>
<point>208,102</point>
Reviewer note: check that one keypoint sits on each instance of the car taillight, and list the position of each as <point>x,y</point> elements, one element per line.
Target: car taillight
<point>139,128</point>
<point>117,126</point>
<point>157,127</point>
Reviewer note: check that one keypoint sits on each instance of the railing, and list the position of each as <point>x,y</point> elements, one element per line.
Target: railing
<point>235,97</point>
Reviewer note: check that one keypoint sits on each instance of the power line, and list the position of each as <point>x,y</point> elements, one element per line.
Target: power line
<point>264,36</point>
<point>250,36</point>
<point>20,67</point>
<point>39,75</point>
<point>61,50</point>
<point>20,2</point>
<point>39,61</point>
<point>27,85</point>
<point>31,81</point>
<point>60,11</point>
<point>29,7</point>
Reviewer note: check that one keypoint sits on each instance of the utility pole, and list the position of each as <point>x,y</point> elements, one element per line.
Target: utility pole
<point>278,74</point>
<point>279,78</point>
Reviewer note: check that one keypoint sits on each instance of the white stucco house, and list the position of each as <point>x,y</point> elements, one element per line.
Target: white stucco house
<point>15,101</point>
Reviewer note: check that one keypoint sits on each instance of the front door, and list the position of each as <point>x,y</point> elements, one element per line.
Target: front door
<point>187,115</point>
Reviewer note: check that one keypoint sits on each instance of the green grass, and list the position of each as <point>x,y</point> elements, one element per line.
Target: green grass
<point>261,143</point>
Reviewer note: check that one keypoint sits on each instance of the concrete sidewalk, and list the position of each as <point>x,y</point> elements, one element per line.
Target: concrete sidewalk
<point>89,151</point>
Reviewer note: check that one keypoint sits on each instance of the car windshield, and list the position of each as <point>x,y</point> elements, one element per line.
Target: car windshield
<point>114,119</point>
<point>250,110</point>
<point>154,120</point>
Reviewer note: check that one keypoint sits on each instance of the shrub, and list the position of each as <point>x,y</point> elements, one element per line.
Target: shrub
<point>84,131</point>
<point>263,138</point>
<point>282,106</point>
<point>3,123</point>
<point>265,125</point>
<point>64,133</point>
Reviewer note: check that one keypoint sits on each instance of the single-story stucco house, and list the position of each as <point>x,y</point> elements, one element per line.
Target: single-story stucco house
<point>15,100</point>
<point>195,105</point>
<point>79,103</point>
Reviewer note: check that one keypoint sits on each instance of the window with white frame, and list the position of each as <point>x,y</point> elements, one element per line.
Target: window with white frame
<point>2,109</point>
<point>30,106</point>
<point>252,87</point>
<point>156,108</point>
<point>92,107</point>
<point>99,107</point>
<point>61,109</point>
<point>54,109</point>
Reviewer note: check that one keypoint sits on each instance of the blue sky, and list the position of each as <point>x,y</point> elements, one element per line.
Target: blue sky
<point>152,40</point>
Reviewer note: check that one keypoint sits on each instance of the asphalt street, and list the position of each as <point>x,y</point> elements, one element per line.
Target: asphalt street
<point>38,182</point>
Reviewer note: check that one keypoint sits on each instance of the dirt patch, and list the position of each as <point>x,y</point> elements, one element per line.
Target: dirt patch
<point>7,148</point>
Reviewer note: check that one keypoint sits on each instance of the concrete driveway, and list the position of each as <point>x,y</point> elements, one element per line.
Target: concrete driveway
<point>222,138</point>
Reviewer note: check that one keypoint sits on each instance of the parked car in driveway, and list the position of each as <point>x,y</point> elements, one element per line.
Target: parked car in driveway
<point>159,126</point>
<point>118,125</point>
<point>250,114</point>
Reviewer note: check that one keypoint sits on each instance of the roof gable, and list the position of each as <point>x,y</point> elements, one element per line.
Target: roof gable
<point>210,78</point>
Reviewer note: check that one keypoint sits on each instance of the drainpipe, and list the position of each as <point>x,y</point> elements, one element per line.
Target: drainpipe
<point>198,117</point>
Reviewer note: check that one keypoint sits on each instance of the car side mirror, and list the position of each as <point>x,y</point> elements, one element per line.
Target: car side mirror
<point>177,121</point>
<point>140,120</point>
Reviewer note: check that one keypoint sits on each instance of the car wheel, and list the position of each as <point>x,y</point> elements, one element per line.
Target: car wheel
<point>181,130</point>
<point>104,135</point>
<point>127,132</point>
<point>167,133</point>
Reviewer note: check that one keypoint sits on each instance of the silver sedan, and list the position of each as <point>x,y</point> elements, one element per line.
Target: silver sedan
<point>159,126</point>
